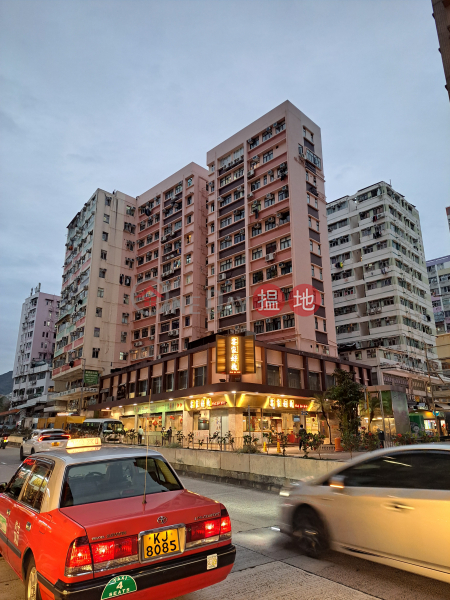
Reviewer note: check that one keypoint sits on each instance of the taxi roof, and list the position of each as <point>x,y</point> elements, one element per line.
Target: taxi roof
<point>83,455</point>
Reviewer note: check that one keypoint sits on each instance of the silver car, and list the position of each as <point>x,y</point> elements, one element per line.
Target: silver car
<point>391,506</point>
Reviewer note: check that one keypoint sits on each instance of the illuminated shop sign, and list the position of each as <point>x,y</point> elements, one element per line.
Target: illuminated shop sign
<point>235,354</point>
<point>285,403</point>
<point>206,403</point>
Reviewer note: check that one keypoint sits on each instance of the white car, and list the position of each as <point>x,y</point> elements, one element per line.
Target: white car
<point>42,440</point>
<point>391,506</point>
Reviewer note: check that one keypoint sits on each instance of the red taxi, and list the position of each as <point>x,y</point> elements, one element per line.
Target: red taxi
<point>92,523</point>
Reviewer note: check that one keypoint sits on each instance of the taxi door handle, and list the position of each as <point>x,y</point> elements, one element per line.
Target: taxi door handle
<point>28,526</point>
<point>397,507</point>
<point>8,512</point>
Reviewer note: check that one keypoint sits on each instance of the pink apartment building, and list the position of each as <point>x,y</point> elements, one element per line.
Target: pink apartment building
<point>267,225</point>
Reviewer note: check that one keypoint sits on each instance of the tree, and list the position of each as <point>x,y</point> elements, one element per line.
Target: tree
<point>325,408</point>
<point>346,395</point>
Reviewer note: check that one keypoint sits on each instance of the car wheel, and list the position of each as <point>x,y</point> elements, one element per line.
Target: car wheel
<point>309,532</point>
<point>32,591</point>
<point>21,454</point>
<point>32,451</point>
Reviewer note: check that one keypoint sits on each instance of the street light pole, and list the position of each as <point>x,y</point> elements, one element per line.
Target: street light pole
<point>83,361</point>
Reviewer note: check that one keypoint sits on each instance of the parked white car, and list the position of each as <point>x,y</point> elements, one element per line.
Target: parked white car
<point>391,506</point>
<point>42,440</point>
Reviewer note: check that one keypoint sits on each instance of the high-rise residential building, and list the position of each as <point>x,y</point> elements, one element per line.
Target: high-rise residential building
<point>266,225</point>
<point>382,301</point>
<point>96,296</point>
<point>439,279</point>
<point>34,352</point>
<point>441,14</point>
<point>447,211</point>
<point>169,294</point>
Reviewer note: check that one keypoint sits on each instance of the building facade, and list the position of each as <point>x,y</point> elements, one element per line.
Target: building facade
<point>382,301</point>
<point>184,392</point>
<point>94,324</point>
<point>438,271</point>
<point>33,359</point>
<point>266,226</point>
<point>441,15</point>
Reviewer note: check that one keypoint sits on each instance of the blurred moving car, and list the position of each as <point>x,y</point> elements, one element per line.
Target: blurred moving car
<point>91,523</point>
<point>390,506</point>
<point>43,440</point>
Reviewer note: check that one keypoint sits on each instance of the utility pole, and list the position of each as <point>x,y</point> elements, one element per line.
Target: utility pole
<point>433,405</point>
<point>83,360</point>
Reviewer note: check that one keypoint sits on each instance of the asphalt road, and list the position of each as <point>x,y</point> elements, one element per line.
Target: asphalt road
<point>267,563</point>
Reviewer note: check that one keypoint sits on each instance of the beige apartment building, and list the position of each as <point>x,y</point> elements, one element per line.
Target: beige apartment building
<point>95,319</point>
<point>267,227</point>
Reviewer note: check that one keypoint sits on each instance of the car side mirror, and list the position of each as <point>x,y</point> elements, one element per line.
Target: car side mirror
<point>3,487</point>
<point>337,482</point>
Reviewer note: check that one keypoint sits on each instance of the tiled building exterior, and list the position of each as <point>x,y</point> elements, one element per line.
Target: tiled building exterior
<point>382,301</point>
<point>34,353</point>
<point>439,279</point>
<point>266,223</point>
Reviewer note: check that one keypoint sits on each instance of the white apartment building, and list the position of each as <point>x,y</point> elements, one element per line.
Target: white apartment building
<point>382,301</point>
<point>32,373</point>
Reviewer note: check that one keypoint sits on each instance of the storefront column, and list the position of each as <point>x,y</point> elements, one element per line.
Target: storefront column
<point>136,421</point>
<point>235,422</point>
<point>188,422</point>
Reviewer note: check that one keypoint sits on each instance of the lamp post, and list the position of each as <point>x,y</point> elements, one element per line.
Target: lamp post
<point>83,362</point>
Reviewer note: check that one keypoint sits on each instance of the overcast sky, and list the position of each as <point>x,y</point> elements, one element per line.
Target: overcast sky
<point>120,94</point>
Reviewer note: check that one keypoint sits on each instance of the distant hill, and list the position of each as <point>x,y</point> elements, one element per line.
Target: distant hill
<point>6,383</point>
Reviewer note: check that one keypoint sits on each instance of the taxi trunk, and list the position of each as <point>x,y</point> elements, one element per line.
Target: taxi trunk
<point>123,531</point>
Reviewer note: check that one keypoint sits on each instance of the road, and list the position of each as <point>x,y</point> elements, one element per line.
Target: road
<point>267,563</point>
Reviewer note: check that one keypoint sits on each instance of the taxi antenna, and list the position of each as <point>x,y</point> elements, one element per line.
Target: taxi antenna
<point>144,499</point>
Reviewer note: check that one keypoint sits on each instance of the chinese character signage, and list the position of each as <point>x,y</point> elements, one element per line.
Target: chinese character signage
<point>268,300</point>
<point>304,300</point>
<point>205,403</point>
<point>91,377</point>
<point>235,354</point>
<point>284,403</point>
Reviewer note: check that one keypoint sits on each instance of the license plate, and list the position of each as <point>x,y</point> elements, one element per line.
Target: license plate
<point>55,443</point>
<point>160,543</point>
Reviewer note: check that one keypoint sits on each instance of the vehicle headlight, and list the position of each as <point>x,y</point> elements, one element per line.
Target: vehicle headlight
<point>285,493</point>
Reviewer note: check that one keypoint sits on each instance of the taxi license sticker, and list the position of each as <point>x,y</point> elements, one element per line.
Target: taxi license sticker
<point>119,586</point>
<point>211,562</point>
<point>2,524</point>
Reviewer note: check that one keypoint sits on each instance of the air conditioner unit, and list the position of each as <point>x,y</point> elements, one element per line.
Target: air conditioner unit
<point>284,188</point>
<point>270,172</point>
<point>222,276</point>
<point>250,173</point>
<point>240,188</point>
<point>152,337</point>
<point>250,141</point>
<point>242,231</point>
<point>250,195</point>
<point>164,238</point>
<point>137,344</point>
<point>175,332</point>
<point>270,256</point>
<point>281,265</point>
<point>159,356</point>
<point>269,320</point>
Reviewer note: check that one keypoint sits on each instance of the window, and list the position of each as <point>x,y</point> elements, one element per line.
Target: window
<point>169,382</point>
<point>107,201</point>
<point>126,299</point>
<point>211,207</point>
<point>226,221</point>
<point>187,300</point>
<point>188,219</point>
<point>188,200</point>
<point>156,385</point>
<point>225,265</point>
<point>314,382</point>
<point>36,485</point>
<point>409,470</point>
<point>258,277</point>
<point>105,236</point>
<point>100,292</point>
<point>239,283</point>
<point>124,317</point>
<point>188,238</point>
<point>188,279</point>
<point>225,180</point>
<point>268,201</point>
<point>238,194</point>
<point>212,228</point>
<point>285,242</point>
<point>316,322</point>
<point>271,248</point>
<point>200,376</point>
<point>257,253</point>
<point>254,142</point>
<point>294,378</point>
<point>286,267</point>
<point>239,260</point>
<point>225,242</point>
<point>267,156</point>
<point>256,229</point>
<point>102,273</point>
<point>273,375</point>
<point>255,185</point>
<point>95,352</point>
<point>182,380</point>
<point>284,193</point>
<point>272,272</point>
<point>267,135</point>
<point>15,486</point>
<point>238,173</point>
<point>270,223</point>
<point>97,332</point>
<point>123,355</point>
<point>190,181</point>
<point>98,312</point>
<point>106,218</point>
<point>187,321</point>
<point>123,336</point>
<point>239,237</point>
<point>238,215</point>
<point>285,218</point>
<point>188,259</point>
<point>103,254</point>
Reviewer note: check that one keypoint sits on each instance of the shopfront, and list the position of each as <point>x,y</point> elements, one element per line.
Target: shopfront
<point>159,416</point>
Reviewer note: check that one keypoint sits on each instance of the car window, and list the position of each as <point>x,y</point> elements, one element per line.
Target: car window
<point>411,470</point>
<point>36,485</point>
<point>112,480</point>
<point>15,486</point>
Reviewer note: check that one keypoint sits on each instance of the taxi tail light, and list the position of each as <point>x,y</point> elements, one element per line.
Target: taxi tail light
<point>79,558</point>
<point>225,525</point>
<point>121,548</point>
<point>209,531</point>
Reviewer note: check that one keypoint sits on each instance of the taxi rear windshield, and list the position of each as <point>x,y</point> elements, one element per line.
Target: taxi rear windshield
<point>114,479</point>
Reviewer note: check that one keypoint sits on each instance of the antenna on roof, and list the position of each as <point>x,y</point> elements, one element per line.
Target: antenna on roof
<point>144,500</point>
